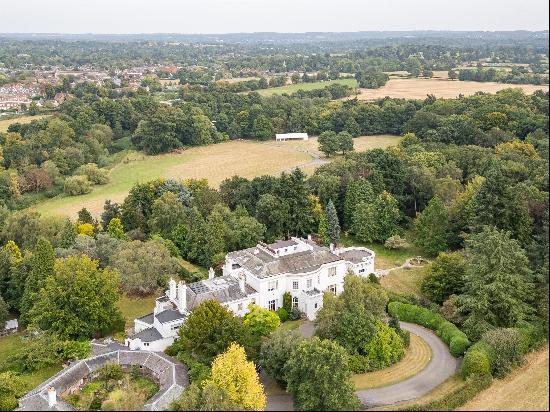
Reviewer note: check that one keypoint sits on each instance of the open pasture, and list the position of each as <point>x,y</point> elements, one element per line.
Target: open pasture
<point>214,163</point>
<point>292,88</point>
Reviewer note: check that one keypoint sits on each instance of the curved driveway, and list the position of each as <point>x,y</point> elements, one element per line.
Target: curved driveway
<point>442,366</point>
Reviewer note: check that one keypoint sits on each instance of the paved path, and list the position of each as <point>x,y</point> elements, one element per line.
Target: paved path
<point>442,366</point>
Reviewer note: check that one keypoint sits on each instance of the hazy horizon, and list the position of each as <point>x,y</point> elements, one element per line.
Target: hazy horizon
<point>271,16</point>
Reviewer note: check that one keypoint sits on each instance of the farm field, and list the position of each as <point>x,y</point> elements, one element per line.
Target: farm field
<point>5,123</point>
<point>440,87</point>
<point>416,358</point>
<point>215,163</point>
<point>525,389</point>
<point>291,88</point>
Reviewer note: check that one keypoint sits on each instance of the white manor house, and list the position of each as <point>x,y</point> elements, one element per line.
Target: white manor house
<point>259,275</point>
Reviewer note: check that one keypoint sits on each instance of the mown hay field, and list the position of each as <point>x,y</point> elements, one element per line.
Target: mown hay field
<point>525,389</point>
<point>214,163</point>
<point>5,123</point>
<point>418,88</point>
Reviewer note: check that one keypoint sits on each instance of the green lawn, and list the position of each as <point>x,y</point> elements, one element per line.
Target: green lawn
<point>134,306</point>
<point>290,325</point>
<point>292,88</point>
<point>405,281</point>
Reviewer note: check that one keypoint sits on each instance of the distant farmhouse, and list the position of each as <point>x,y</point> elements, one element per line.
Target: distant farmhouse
<point>291,136</point>
<point>260,275</point>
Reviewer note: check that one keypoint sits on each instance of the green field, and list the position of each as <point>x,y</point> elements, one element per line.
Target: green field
<point>215,163</point>
<point>292,88</point>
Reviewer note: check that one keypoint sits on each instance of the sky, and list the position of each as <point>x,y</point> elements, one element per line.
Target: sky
<point>236,16</point>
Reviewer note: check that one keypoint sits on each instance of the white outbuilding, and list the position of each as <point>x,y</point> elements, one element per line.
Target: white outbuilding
<point>291,136</point>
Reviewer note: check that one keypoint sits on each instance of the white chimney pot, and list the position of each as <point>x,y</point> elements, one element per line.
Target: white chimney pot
<point>52,396</point>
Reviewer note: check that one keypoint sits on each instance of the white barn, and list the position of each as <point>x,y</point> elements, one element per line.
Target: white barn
<point>291,136</point>
<point>259,275</point>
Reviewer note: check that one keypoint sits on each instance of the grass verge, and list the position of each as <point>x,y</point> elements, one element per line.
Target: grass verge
<point>416,358</point>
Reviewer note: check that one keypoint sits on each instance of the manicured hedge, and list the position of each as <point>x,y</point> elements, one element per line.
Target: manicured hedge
<point>457,340</point>
<point>476,362</point>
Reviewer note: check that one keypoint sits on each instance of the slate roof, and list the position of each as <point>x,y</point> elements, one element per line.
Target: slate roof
<point>148,335</point>
<point>263,265</point>
<point>149,319</point>
<point>171,374</point>
<point>223,289</point>
<point>169,316</point>
<point>355,255</point>
<point>278,244</point>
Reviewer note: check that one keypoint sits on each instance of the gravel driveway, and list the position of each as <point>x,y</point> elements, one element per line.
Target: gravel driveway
<point>441,367</point>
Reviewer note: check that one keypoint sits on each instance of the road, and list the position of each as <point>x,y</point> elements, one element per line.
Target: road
<point>442,366</point>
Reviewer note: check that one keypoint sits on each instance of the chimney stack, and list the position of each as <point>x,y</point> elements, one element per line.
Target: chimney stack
<point>332,247</point>
<point>211,273</point>
<point>242,281</point>
<point>52,397</point>
<point>308,237</point>
<point>172,293</point>
<point>182,297</point>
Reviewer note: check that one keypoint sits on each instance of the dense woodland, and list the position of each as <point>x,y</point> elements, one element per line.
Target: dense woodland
<point>467,185</point>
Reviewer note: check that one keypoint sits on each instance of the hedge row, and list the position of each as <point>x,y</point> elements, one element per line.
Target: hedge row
<point>455,398</point>
<point>457,340</point>
<point>501,349</point>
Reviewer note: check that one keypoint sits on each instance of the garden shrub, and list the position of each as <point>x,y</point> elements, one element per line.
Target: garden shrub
<point>385,348</point>
<point>111,371</point>
<point>458,346</point>
<point>476,363</point>
<point>77,185</point>
<point>198,371</point>
<point>283,314</point>
<point>446,330</point>
<point>287,301</point>
<point>93,173</point>
<point>533,335</point>
<point>507,349</point>
<point>95,405</point>
<point>396,242</point>
<point>294,314</point>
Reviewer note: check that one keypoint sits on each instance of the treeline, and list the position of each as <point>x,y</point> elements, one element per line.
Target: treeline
<point>344,55</point>
<point>70,152</point>
<point>518,75</point>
